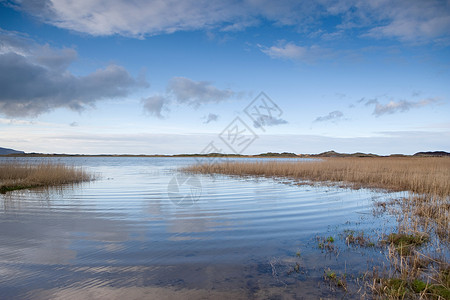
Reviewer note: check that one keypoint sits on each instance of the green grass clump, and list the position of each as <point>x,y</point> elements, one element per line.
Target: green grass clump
<point>418,285</point>
<point>405,243</point>
<point>334,278</point>
<point>397,288</point>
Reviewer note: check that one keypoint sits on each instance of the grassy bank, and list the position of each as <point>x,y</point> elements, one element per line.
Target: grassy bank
<point>416,270</point>
<point>16,176</point>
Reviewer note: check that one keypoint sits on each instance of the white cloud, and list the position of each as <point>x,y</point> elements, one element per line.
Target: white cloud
<point>289,51</point>
<point>292,51</point>
<point>398,106</point>
<point>407,142</point>
<point>411,20</point>
<point>408,20</point>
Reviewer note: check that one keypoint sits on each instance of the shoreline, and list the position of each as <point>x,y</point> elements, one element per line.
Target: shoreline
<point>327,154</point>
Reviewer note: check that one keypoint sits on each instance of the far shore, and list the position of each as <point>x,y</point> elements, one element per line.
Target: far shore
<point>261,155</point>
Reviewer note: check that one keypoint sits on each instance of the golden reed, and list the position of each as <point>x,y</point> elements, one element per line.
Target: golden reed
<point>430,175</point>
<point>14,176</point>
<point>426,178</point>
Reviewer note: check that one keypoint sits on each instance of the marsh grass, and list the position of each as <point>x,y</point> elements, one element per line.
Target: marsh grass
<point>426,178</point>
<point>419,175</point>
<point>416,270</point>
<point>16,176</point>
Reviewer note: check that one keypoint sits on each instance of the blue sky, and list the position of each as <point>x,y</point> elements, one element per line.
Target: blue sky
<point>171,77</point>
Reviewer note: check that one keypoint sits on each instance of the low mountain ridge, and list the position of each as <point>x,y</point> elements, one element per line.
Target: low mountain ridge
<point>6,151</point>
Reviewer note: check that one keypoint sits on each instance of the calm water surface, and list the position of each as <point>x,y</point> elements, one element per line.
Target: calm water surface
<point>144,230</point>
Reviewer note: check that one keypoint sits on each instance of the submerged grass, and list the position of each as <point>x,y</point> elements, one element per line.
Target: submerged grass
<point>405,243</point>
<point>17,176</point>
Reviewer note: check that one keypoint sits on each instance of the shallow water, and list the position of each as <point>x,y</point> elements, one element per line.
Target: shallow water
<point>143,229</point>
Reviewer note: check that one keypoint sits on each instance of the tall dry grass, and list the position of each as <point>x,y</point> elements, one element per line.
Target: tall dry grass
<point>419,175</point>
<point>427,178</point>
<point>425,209</point>
<point>14,176</point>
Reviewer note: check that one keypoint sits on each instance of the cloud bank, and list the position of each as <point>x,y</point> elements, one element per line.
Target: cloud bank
<point>406,20</point>
<point>34,79</point>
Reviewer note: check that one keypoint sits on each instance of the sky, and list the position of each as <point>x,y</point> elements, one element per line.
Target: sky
<point>229,76</point>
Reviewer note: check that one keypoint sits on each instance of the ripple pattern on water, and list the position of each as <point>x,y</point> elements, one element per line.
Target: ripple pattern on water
<point>125,230</point>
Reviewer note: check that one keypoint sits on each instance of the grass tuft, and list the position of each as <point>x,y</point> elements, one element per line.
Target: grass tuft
<point>405,243</point>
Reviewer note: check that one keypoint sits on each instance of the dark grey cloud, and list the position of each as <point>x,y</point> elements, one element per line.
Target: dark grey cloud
<point>332,116</point>
<point>155,105</point>
<point>186,91</point>
<point>196,93</point>
<point>55,59</point>
<point>398,106</point>
<point>34,79</point>
<point>211,118</point>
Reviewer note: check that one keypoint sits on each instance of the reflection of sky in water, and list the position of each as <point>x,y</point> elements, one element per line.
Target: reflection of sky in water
<point>126,224</point>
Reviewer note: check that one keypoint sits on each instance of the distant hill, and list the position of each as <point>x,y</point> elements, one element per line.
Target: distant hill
<point>5,151</point>
<point>432,153</point>
<point>275,154</point>
<point>333,153</point>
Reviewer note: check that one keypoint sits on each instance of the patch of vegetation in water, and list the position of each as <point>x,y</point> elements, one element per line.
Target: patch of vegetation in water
<point>358,239</point>
<point>5,189</point>
<point>338,280</point>
<point>398,288</point>
<point>405,243</point>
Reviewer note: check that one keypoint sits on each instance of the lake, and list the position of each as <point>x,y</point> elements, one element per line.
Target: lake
<point>145,230</point>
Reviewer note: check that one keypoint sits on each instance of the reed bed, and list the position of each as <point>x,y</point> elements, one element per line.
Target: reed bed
<point>425,211</point>
<point>419,175</point>
<point>16,176</point>
<point>427,178</point>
